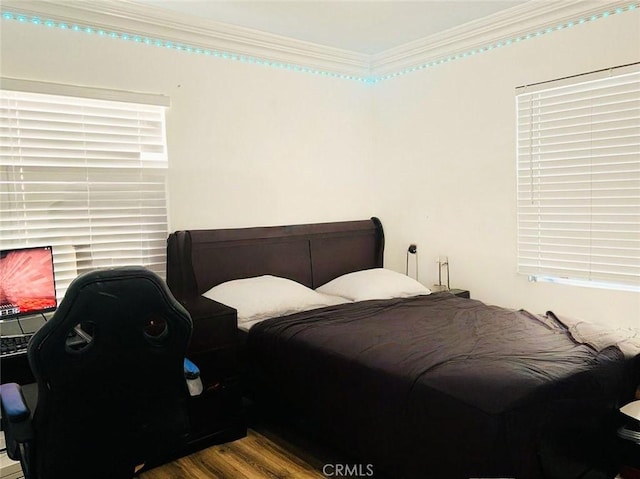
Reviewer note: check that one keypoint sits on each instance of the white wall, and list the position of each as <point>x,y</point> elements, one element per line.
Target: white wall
<point>248,145</point>
<point>445,148</point>
<point>254,146</point>
<point>431,153</point>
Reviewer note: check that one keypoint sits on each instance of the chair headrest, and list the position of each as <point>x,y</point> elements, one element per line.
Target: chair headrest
<point>121,310</point>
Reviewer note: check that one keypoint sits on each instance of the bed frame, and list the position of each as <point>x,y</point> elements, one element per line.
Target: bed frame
<point>198,260</point>
<point>311,254</point>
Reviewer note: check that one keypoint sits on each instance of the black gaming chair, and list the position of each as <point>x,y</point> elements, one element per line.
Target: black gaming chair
<point>110,397</point>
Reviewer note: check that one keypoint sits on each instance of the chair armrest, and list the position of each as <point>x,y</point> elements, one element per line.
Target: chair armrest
<point>16,420</point>
<point>14,407</point>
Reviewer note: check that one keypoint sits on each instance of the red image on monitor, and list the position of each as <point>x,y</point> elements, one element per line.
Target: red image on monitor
<point>27,284</point>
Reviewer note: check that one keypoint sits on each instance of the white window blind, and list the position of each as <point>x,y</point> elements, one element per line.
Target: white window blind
<point>85,176</point>
<point>578,173</point>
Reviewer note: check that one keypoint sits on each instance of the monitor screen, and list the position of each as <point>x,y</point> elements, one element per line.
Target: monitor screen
<point>27,284</point>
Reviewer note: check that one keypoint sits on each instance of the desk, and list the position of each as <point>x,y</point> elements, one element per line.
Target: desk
<point>8,469</point>
<point>15,369</point>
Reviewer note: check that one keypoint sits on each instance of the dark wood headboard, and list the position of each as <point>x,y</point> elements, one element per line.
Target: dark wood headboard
<point>311,254</point>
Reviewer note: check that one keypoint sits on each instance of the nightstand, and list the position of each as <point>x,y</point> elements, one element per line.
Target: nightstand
<point>460,293</point>
<point>217,415</point>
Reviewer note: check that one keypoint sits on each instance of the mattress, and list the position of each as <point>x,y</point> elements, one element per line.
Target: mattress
<point>439,386</point>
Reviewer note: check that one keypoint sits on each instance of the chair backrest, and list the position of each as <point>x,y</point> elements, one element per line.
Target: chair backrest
<point>120,399</point>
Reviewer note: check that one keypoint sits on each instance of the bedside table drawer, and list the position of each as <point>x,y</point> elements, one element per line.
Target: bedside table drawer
<point>216,364</point>
<point>217,415</point>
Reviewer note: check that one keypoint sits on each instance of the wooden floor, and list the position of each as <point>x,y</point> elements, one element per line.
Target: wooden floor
<point>259,455</point>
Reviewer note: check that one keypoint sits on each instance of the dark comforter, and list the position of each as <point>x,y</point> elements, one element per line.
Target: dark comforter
<point>436,386</point>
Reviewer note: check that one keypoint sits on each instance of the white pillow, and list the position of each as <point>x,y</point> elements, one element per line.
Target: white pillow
<point>263,297</point>
<point>377,283</point>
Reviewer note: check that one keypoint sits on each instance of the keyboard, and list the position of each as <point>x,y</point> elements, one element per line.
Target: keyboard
<point>14,345</point>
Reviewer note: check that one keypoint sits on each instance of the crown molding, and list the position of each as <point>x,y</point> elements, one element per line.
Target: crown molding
<point>535,17</point>
<point>507,25</point>
<point>130,17</point>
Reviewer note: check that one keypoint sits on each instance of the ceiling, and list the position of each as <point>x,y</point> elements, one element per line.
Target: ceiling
<point>367,27</point>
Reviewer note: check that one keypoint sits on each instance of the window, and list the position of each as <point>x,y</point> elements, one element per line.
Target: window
<point>86,176</point>
<point>578,174</point>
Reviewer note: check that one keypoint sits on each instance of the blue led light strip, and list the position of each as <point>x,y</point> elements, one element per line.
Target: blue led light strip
<point>507,42</point>
<point>34,20</point>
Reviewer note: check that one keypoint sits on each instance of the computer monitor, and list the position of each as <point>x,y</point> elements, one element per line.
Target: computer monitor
<point>27,282</point>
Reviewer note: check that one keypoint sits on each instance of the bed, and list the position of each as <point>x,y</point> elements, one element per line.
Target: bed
<point>413,385</point>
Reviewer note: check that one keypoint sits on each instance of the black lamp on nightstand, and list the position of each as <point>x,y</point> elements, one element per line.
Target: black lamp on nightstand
<point>413,249</point>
